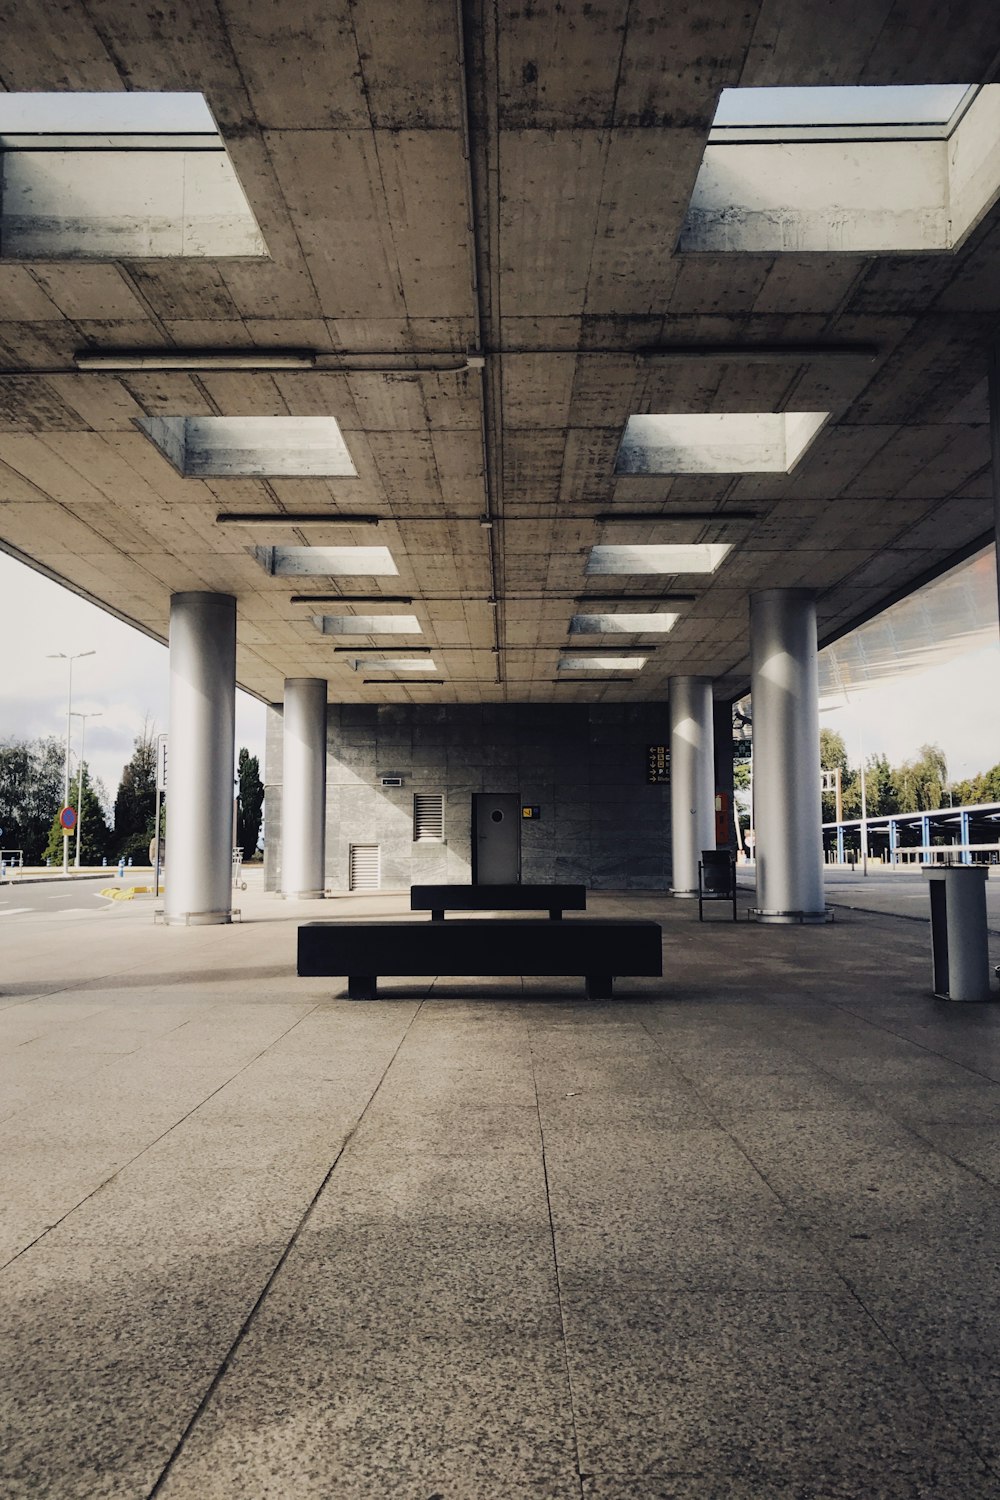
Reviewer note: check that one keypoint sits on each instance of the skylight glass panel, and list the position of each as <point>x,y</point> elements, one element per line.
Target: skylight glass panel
<point>112,176</point>
<point>262,447</point>
<point>698,557</point>
<point>393,663</point>
<point>648,624</point>
<point>368,624</point>
<point>717,443</point>
<point>894,104</point>
<point>327,562</point>
<point>601,663</point>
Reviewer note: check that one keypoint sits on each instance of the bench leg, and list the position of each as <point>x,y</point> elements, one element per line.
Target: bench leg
<point>599,986</point>
<point>361,986</point>
<point>437,916</point>
<point>555,915</point>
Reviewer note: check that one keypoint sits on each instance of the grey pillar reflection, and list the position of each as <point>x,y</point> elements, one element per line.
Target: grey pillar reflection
<point>786,777</point>
<point>202,729</point>
<point>692,779</point>
<point>995,446</point>
<point>303,794</point>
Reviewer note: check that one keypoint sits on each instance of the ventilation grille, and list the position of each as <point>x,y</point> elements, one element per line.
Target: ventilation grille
<point>365,872</point>
<point>428,818</point>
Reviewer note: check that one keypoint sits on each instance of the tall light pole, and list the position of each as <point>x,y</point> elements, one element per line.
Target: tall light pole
<point>79,787</point>
<point>63,656</point>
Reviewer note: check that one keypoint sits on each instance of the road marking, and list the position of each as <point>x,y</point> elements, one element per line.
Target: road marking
<point>12,911</point>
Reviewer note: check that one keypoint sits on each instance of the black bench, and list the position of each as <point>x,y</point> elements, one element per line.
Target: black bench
<point>597,948</point>
<point>555,899</point>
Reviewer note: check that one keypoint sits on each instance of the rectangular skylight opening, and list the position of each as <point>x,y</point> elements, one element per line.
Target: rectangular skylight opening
<point>393,664</point>
<point>262,447</point>
<point>716,443</point>
<point>647,624</point>
<point>327,562</point>
<point>698,557</point>
<point>871,170</point>
<point>368,624</point>
<point>602,663</point>
<point>112,176</point>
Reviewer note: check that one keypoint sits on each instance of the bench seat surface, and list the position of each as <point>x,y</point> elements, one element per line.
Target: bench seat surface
<point>498,947</point>
<point>498,897</point>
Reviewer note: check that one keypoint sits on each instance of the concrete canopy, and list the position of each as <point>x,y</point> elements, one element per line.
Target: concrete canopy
<point>471,214</point>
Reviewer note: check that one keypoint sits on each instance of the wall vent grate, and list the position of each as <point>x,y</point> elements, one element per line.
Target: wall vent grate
<point>365,870</point>
<point>428,818</point>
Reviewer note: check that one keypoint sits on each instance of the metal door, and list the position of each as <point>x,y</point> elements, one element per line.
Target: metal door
<point>496,838</point>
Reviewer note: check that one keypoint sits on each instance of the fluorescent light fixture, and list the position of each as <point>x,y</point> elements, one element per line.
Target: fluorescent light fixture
<point>194,359</point>
<point>648,624</point>
<point>350,599</point>
<point>281,518</point>
<point>394,663</point>
<point>119,175</point>
<point>330,562</point>
<point>601,663</point>
<point>717,442</point>
<point>662,557</point>
<point>368,624</point>
<point>261,447</point>
<point>643,517</point>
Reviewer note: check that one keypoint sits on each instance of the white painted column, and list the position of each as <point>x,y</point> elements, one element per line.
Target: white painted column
<point>202,730</point>
<point>692,779</point>
<point>787,816</point>
<point>994,386</point>
<point>303,794</point>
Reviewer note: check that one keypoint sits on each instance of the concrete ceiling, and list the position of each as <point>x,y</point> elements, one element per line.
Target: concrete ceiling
<point>509,181</point>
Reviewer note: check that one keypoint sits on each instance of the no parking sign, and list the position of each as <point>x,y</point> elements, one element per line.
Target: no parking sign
<point>67,818</point>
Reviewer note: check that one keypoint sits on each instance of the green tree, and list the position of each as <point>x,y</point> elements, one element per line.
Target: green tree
<point>135,802</point>
<point>251,808</point>
<point>921,782</point>
<point>833,757</point>
<point>95,835</point>
<point>31,790</point>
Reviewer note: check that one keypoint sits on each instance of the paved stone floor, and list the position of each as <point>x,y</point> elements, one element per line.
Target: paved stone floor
<point>733,1234</point>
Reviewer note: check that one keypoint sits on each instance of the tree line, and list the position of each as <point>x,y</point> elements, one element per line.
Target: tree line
<point>31,798</point>
<point>917,785</point>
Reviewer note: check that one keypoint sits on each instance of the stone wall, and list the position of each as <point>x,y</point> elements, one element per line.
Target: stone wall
<point>583,766</point>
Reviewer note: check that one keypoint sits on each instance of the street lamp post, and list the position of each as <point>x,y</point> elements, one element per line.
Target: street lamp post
<point>63,656</point>
<point>79,787</point>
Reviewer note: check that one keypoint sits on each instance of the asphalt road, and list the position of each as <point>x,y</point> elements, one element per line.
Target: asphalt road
<point>60,896</point>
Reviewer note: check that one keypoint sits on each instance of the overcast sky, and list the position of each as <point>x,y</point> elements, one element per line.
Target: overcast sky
<point>128,680</point>
<point>955,704</point>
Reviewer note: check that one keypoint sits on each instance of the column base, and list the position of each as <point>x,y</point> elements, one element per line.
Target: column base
<point>791,918</point>
<point>685,895</point>
<point>196,918</point>
<point>302,895</point>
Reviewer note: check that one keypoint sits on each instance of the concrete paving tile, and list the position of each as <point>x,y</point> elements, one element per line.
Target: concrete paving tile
<point>927,1475</point>
<point>106,1358</point>
<point>578,1112</point>
<point>724,1383</point>
<point>707,1249</point>
<point>378,1186</point>
<point>858,1171</point>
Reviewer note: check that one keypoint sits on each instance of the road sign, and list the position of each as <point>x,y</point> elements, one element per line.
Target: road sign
<point>161,763</point>
<point>67,818</point>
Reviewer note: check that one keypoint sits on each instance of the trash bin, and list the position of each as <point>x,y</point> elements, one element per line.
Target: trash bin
<point>958,931</point>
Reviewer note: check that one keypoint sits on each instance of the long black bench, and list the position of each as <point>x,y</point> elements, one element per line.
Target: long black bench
<point>555,899</point>
<point>595,947</point>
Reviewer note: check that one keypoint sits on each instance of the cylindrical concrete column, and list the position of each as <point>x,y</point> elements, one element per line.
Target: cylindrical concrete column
<point>692,779</point>
<point>199,881</point>
<point>303,792</point>
<point>786,773</point>
<point>994,388</point>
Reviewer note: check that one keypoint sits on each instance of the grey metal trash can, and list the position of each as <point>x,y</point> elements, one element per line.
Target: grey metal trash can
<point>958,931</point>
